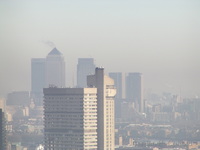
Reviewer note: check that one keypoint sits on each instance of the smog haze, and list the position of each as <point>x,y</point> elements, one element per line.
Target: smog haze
<point>158,38</point>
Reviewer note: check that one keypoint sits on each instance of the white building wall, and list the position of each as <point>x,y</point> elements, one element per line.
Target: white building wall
<point>105,109</point>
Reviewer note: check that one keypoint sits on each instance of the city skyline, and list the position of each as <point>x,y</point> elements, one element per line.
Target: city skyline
<point>141,61</point>
<point>47,72</point>
<point>157,39</point>
<point>147,89</point>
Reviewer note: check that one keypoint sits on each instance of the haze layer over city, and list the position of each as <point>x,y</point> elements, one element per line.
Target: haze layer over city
<point>157,38</point>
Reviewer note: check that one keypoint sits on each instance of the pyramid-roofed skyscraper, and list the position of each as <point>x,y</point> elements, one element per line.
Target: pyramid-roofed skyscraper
<point>55,69</point>
<point>55,52</point>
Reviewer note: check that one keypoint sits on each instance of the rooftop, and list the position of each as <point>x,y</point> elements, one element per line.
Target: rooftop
<point>55,52</point>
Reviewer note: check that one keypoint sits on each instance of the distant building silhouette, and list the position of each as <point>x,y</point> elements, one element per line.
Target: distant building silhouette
<point>85,67</point>
<point>55,69</point>
<point>45,72</point>
<point>117,77</point>
<point>134,90</point>
<point>18,98</point>
<point>70,118</point>
<point>37,79</point>
<point>105,108</point>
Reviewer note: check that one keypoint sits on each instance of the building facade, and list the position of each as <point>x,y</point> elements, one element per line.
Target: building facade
<point>55,69</point>
<point>85,67</point>
<point>134,90</point>
<point>105,108</point>
<point>37,78</point>
<point>70,118</point>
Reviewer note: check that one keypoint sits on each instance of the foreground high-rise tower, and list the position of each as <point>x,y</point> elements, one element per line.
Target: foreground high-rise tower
<point>70,118</point>
<point>85,67</point>
<point>55,69</point>
<point>105,108</point>
<point>134,90</point>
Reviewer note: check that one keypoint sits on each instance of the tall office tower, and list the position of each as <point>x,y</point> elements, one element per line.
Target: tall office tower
<point>55,69</point>
<point>70,118</point>
<point>37,79</point>
<point>105,109</point>
<point>134,90</point>
<point>85,67</point>
<point>117,77</point>
<point>2,131</point>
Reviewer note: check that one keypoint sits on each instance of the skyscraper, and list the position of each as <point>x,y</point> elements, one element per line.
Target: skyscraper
<point>70,118</point>
<point>117,77</point>
<point>2,131</point>
<point>85,67</point>
<point>134,90</point>
<point>105,108</point>
<point>55,69</point>
<point>37,78</point>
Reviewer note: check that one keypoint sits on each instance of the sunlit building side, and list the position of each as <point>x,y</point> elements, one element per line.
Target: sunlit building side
<point>105,108</point>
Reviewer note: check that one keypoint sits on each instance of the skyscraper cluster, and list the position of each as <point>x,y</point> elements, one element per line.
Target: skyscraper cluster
<point>50,71</point>
<point>45,72</point>
<point>75,118</point>
<point>82,117</point>
<point>133,99</point>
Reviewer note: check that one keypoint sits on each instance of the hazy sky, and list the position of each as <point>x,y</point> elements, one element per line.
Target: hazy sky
<point>159,38</point>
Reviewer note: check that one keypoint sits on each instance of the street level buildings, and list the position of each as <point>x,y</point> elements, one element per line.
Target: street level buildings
<point>85,67</point>
<point>105,108</point>
<point>70,118</point>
